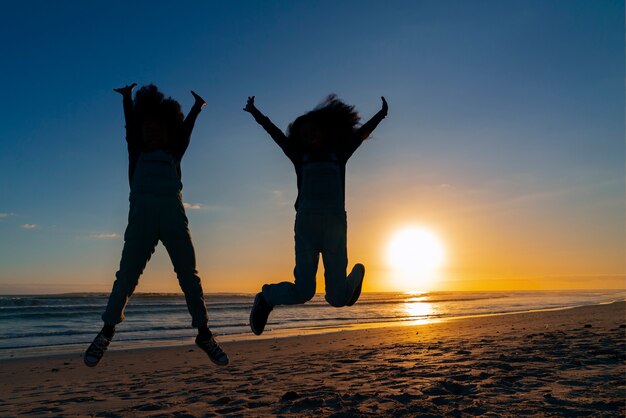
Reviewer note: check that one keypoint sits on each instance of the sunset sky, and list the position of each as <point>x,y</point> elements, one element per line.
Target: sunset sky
<point>505,137</point>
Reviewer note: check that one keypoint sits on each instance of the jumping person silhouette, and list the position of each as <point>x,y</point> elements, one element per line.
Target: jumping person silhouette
<point>319,144</point>
<point>157,137</point>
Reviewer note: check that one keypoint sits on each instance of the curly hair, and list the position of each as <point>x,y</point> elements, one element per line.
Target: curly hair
<point>335,119</point>
<point>150,103</point>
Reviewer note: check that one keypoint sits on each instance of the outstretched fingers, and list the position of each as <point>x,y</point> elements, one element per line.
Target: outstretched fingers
<point>249,104</point>
<point>385,107</point>
<point>126,89</point>
<point>199,100</point>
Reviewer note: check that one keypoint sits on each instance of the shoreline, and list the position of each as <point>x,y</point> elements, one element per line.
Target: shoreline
<point>281,333</point>
<point>563,362</point>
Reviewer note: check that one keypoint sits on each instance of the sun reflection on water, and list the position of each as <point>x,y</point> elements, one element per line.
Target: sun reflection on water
<point>418,310</point>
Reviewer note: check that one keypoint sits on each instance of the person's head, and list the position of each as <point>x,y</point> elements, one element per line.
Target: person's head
<point>159,119</point>
<point>324,127</point>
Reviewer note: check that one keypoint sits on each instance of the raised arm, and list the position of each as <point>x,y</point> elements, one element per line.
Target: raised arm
<point>129,116</point>
<point>367,128</point>
<point>277,135</point>
<point>188,124</point>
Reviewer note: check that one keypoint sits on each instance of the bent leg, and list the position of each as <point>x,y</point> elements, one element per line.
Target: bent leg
<point>302,290</point>
<point>339,289</point>
<point>307,260</point>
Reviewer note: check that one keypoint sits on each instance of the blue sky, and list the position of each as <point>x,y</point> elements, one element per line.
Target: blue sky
<point>505,134</point>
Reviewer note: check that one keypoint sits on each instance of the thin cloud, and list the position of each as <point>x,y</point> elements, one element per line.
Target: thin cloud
<point>192,205</point>
<point>29,226</point>
<point>200,206</point>
<point>278,197</point>
<point>105,236</point>
<point>6,214</point>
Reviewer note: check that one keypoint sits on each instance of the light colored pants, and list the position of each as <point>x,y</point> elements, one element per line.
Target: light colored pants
<point>317,231</point>
<point>151,218</point>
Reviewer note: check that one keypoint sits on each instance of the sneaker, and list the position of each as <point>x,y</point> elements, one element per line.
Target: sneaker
<point>96,350</point>
<point>208,344</point>
<point>259,314</point>
<point>359,270</point>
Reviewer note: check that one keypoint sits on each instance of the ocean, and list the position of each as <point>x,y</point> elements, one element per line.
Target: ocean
<point>49,324</point>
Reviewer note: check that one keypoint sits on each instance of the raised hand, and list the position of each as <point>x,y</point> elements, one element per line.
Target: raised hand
<point>126,90</point>
<point>199,100</point>
<point>250,105</point>
<point>384,107</point>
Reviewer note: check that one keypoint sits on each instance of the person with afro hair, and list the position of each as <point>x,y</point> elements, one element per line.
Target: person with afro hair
<point>319,144</point>
<point>157,135</point>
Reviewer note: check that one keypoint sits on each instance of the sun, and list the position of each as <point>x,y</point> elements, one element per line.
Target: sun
<point>415,254</point>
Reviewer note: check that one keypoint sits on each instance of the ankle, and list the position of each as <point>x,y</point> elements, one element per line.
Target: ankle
<point>265,303</point>
<point>108,330</point>
<point>204,331</point>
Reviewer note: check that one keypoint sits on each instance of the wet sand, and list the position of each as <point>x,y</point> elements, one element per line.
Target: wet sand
<point>568,362</point>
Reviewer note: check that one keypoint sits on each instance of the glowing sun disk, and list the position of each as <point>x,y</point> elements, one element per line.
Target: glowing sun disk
<point>415,250</point>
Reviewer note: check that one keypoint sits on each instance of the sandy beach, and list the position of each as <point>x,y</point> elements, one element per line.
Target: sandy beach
<point>567,362</point>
